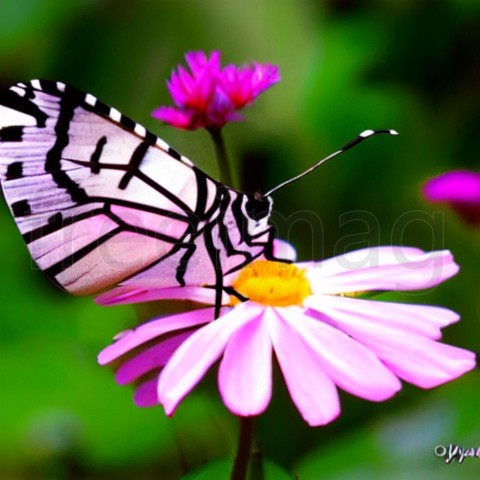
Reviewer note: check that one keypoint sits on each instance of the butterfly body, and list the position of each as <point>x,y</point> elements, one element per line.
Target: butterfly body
<point>101,202</point>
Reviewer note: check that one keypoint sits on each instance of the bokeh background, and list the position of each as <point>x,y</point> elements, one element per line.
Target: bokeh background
<point>346,66</point>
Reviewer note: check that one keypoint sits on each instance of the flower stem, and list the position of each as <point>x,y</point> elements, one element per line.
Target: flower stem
<point>244,449</point>
<point>222,157</point>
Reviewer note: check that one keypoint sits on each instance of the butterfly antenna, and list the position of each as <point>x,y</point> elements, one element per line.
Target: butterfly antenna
<point>352,143</point>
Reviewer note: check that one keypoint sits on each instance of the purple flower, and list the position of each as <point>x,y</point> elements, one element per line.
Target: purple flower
<point>460,189</point>
<point>209,96</point>
<point>310,317</point>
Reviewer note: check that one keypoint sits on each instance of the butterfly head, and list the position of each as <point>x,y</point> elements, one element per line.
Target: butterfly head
<point>257,210</point>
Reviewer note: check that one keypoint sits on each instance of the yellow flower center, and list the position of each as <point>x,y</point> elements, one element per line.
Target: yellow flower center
<point>272,283</point>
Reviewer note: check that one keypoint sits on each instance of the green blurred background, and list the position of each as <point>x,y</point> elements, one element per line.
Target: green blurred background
<point>346,66</point>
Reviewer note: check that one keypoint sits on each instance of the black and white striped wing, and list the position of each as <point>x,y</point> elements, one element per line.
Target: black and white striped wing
<point>97,198</point>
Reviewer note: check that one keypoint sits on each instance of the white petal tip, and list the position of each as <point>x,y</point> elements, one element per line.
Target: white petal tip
<point>169,406</point>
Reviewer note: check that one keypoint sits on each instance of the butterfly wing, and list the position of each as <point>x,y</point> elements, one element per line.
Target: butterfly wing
<point>98,199</point>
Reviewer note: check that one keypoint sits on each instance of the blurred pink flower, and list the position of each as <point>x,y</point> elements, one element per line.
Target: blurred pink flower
<point>322,336</point>
<point>209,96</point>
<point>460,189</point>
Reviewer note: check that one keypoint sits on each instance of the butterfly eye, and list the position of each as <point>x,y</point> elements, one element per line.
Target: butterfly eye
<point>258,208</point>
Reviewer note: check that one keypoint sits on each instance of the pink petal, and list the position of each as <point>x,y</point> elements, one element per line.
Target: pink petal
<point>152,358</point>
<point>220,109</point>
<point>130,294</point>
<point>146,394</point>
<point>199,62</point>
<point>236,83</point>
<point>180,87</point>
<point>423,320</point>
<point>264,76</point>
<point>349,364</point>
<point>312,391</point>
<point>185,82</point>
<point>196,355</point>
<point>365,258</point>
<point>284,250</point>
<point>420,272</point>
<point>196,61</point>
<point>174,117</point>
<point>421,361</point>
<point>154,329</point>
<point>202,94</point>
<point>411,356</point>
<point>245,376</point>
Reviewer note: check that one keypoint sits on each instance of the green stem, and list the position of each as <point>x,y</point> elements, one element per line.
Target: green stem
<point>244,449</point>
<point>222,157</point>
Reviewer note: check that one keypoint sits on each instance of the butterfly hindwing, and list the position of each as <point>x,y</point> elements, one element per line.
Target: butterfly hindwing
<point>96,197</point>
<point>103,203</point>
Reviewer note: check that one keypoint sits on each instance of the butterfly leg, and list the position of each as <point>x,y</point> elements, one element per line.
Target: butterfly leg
<point>214,254</point>
<point>268,251</point>
<point>218,282</point>
<point>183,264</point>
<point>218,297</point>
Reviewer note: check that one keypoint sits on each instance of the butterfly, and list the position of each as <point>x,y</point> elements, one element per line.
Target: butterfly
<point>102,203</point>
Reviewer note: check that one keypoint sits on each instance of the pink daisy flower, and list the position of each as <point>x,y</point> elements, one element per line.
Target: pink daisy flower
<point>209,96</point>
<point>460,189</point>
<point>309,316</point>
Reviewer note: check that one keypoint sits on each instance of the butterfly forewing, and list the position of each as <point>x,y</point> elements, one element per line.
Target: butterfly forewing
<point>100,201</point>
